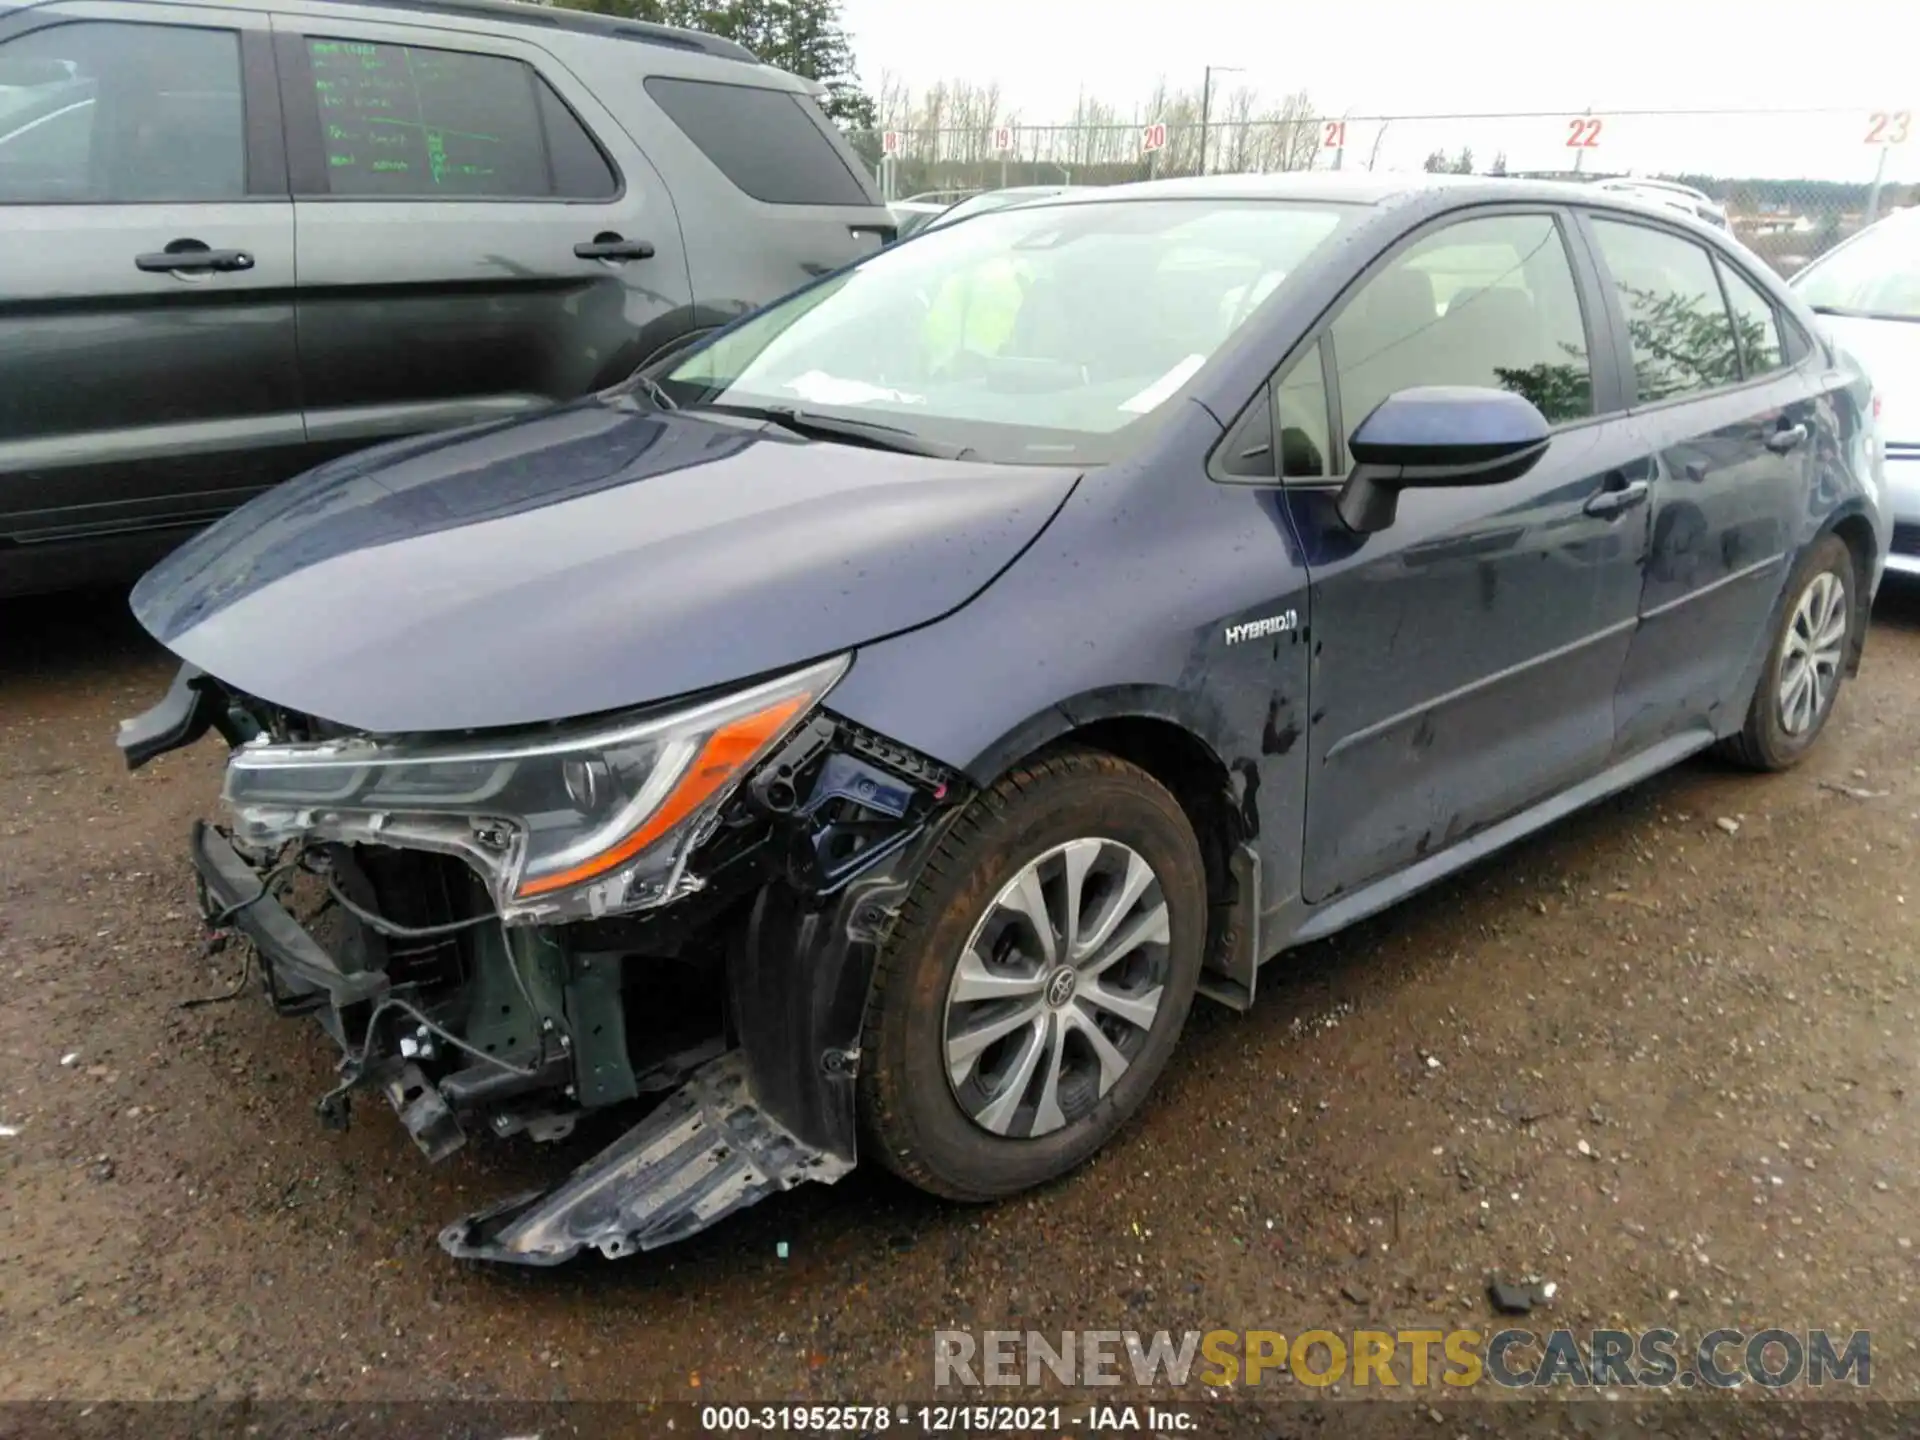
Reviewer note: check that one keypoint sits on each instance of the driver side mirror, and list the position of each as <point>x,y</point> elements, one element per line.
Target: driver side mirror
<point>1439,435</point>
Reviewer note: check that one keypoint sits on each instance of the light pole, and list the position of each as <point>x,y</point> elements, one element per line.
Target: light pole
<point>1206,105</point>
<point>1879,179</point>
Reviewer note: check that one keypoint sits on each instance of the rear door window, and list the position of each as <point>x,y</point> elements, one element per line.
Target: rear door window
<point>772,144</point>
<point>1756,324</point>
<point>121,113</point>
<point>412,122</point>
<point>1682,336</point>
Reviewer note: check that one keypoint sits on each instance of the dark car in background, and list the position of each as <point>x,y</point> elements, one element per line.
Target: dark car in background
<point>866,736</point>
<point>242,240</point>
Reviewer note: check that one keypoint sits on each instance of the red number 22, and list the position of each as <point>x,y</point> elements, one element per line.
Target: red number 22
<point>1583,134</point>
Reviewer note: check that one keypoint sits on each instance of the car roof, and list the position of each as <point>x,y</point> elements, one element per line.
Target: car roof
<point>508,12</point>
<point>1365,187</point>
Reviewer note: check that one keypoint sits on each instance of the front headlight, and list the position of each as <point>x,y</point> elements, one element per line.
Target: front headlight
<point>563,826</point>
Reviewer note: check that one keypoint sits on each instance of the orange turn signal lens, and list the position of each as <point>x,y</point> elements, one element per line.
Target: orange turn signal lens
<point>729,749</point>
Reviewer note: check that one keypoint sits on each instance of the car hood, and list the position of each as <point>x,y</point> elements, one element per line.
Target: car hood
<point>1889,351</point>
<point>594,557</point>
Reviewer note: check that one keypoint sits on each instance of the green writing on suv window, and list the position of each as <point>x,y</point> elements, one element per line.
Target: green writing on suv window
<point>401,121</point>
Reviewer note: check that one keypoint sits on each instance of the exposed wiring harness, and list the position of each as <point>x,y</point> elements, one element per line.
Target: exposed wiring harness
<point>356,1063</point>
<point>393,929</point>
<point>219,920</point>
<point>380,924</point>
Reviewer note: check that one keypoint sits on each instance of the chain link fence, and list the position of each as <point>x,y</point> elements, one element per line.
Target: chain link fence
<point>1791,184</point>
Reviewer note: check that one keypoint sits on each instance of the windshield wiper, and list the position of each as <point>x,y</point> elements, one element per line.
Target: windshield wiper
<point>654,391</point>
<point>810,425</point>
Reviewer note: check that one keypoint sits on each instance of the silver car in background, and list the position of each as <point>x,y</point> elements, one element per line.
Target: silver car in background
<point>1867,293</point>
<point>1672,194</point>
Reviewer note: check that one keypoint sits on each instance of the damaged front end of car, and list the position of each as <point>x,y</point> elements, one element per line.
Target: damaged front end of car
<point>676,911</point>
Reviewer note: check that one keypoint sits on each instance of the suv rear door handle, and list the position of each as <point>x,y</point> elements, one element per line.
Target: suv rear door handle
<point>1786,438</point>
<point>192,255</point>
<point>1616,498</point>
<point>609,246</point>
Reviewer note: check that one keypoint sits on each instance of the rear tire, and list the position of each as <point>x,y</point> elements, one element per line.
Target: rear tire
<point>995,1057</point>
<point>1806,662</point>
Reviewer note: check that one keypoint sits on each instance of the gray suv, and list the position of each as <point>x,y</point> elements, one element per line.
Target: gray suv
<point>242,239</point>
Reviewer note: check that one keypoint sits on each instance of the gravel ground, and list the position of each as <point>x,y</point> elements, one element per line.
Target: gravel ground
<point>1662,1056</point>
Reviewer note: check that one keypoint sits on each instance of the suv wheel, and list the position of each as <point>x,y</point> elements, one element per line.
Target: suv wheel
<point>1037,981</point>
<point>1806,664</point>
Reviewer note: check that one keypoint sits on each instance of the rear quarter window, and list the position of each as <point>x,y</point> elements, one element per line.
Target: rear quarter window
<point>770,143</point>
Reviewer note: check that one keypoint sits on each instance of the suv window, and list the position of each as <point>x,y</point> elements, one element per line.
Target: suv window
<point>409,121</point>
<point>123,113</point>
<point>1488,302</point>
<point>769,143</point>
<point>1757,324</point>
<point>1677,319</point>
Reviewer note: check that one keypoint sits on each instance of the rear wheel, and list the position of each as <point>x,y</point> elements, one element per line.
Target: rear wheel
<point>1038,979</point>
<point>1806,663</point>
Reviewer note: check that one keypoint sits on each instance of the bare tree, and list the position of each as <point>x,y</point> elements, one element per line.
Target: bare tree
<point>893,101</point>
<point>950,129</point>
<point>1233,150</point>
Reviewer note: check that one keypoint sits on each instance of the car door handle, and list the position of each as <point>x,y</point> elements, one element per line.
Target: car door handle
<point>191,256</point>
<point>1786,438</point>
<point>1616,498</point>
<point>609,246</point>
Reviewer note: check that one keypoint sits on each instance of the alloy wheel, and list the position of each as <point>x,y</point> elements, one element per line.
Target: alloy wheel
<point>1058,988</point>
<point>1811,653</point>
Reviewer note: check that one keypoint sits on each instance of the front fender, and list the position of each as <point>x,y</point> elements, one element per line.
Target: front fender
<point>798,980</point>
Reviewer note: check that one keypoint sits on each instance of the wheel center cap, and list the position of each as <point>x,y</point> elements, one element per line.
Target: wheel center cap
<point>1061,987</point>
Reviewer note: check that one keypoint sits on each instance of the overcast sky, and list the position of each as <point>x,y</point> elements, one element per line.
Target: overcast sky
<point>1408,57</point>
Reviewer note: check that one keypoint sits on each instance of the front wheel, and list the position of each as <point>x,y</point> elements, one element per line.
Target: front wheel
<point>1806,662</point>
<point>1037,981</point>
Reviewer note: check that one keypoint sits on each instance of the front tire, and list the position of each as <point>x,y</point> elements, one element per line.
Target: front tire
<point>1806,661</point>
<point>1038,979</point>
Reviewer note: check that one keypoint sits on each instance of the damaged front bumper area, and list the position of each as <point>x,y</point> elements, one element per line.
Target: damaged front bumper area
<point>715,1009</point>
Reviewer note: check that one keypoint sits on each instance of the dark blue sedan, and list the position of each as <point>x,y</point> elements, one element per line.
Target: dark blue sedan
<point>865,737</point>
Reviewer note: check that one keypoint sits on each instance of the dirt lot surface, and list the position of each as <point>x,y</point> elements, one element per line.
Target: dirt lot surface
<point>1663,1057</point>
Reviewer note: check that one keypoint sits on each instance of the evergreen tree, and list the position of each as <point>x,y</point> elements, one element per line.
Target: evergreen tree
<point>803,36</point>
<point>806,38</point>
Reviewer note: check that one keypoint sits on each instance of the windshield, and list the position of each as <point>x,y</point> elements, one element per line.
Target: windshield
<point>1031,335</point>
<point>1876,275</point>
